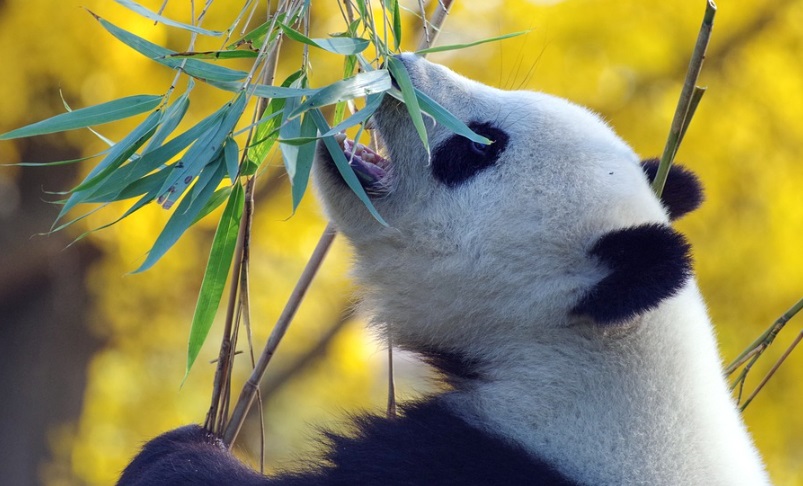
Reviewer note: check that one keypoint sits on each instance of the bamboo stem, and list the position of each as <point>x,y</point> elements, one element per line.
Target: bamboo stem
<point>251,386</point>
<point>684,110</point>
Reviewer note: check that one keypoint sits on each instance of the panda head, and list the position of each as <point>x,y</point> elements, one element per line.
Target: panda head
<point>499,242</point>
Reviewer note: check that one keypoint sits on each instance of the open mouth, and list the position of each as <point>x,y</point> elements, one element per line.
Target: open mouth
<point>371,169</point>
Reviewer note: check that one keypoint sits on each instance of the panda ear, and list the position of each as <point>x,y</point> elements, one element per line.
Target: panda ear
<point>683,191</point>
<point>647,264</point>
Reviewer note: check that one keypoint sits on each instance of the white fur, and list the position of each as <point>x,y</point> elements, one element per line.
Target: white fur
<point>490,269</point>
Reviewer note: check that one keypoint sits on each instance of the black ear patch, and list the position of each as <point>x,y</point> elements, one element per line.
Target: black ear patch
<point>683,191</point>
<point>458,159</point>
<point>648,264</point>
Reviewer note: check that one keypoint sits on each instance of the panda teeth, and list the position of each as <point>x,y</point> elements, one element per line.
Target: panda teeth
<point>368,166</point>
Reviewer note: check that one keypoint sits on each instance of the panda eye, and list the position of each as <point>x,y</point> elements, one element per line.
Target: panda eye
<point>458,159</point>
<point>480,148</point>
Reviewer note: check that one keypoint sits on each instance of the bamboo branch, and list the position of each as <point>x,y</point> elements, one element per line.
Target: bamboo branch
<point>686,103</point>
<point>251,386</point>
<point>772,371</point>
<point>765,339</point>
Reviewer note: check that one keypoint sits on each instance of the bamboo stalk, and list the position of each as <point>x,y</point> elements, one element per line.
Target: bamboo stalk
<point>688,100</point>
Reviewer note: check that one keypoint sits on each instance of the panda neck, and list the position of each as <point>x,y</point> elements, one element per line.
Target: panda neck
<point>647,407</point>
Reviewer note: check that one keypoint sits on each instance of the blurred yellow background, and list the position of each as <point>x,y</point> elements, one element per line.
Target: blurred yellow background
<point>624,59</point>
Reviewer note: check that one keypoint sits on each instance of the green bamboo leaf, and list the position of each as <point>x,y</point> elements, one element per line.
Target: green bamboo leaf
<point>195,68</point>
<point>219,197</point>
<point>231,154</point>
<point>217,269</point>
<point>171,119</point>
<point>118,154</point>
<point>184,215</point>
<point>164,20</point>
<point>304,158</point>
<point>121,152</point>
<point>396,22</point>
<point>57,162</point>
<point>92,115</point>
<point>343,165</point>
<point>349,63</point>
<point>268,128</point>
<point>215,55</point>
<point>402,78</point>
<point>264,90</point>
<point>151,161</point>
<point>363,84</point>
<point>290,128</point>
<point>371,105</point>
<point>255,38</point>
<point>204,150</point>
<point>345,46</point>
<point>444,117</point>
<point>452,47</point>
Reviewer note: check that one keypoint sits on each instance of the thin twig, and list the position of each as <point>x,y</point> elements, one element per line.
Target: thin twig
<point>772,371</point>
<point>765,339</point>
<point>682,112</point>
<point>436,22</point>
<point>391,409</point>
<point>251,386</point>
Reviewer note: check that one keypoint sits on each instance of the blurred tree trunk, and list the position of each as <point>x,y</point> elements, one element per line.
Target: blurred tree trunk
<point>45,343</point>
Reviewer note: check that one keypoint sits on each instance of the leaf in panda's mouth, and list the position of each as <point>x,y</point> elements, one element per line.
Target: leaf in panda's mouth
<point>370,168</point>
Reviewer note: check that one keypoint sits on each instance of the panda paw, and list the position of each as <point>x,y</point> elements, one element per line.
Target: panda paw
<point>647,263</point>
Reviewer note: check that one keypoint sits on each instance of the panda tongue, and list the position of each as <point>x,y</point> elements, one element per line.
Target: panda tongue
<point>363,161</point>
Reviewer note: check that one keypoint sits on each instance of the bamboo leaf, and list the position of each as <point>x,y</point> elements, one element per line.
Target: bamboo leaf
<point>118,154</point>
<point>92,115</point>
<point>444,117</point>
<point>267,131</point>
<point>215,55</point>
<point>57,162</point>
<point>371,105</point>
<point>164,20</point>
<point>343,165</point>
<point>290,128</point>
<point>121,152</point>
<point>204,150</point>
<point>217,269</point>
<point>264,90</point>
<point>345,46</point>
<point>402,78</point>
<point>396,22</point>
<point>231,156</point>
<point>184,216</point>
<point>452,47</point>
<point>171,119</point>
<point>304,158</point>
<point>195,68</point>
<point>363,84</point>
<point>152,160</point>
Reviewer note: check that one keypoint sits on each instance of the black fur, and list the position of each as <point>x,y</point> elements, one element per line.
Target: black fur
<point>458,159</point>
<point>647,263</point>
<point>454,367</point>
<point>427,446</point>
<point>683,191</point>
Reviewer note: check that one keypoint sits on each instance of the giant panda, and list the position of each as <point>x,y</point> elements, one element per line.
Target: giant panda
<point>541,276</point>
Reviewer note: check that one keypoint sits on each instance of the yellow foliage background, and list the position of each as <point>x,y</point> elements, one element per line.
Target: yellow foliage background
<point>624,59</point>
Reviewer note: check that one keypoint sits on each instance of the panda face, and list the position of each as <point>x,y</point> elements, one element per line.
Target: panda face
<point>497,232</point>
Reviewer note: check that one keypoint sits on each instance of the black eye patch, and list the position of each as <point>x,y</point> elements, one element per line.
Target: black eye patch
<point>459,159</point>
